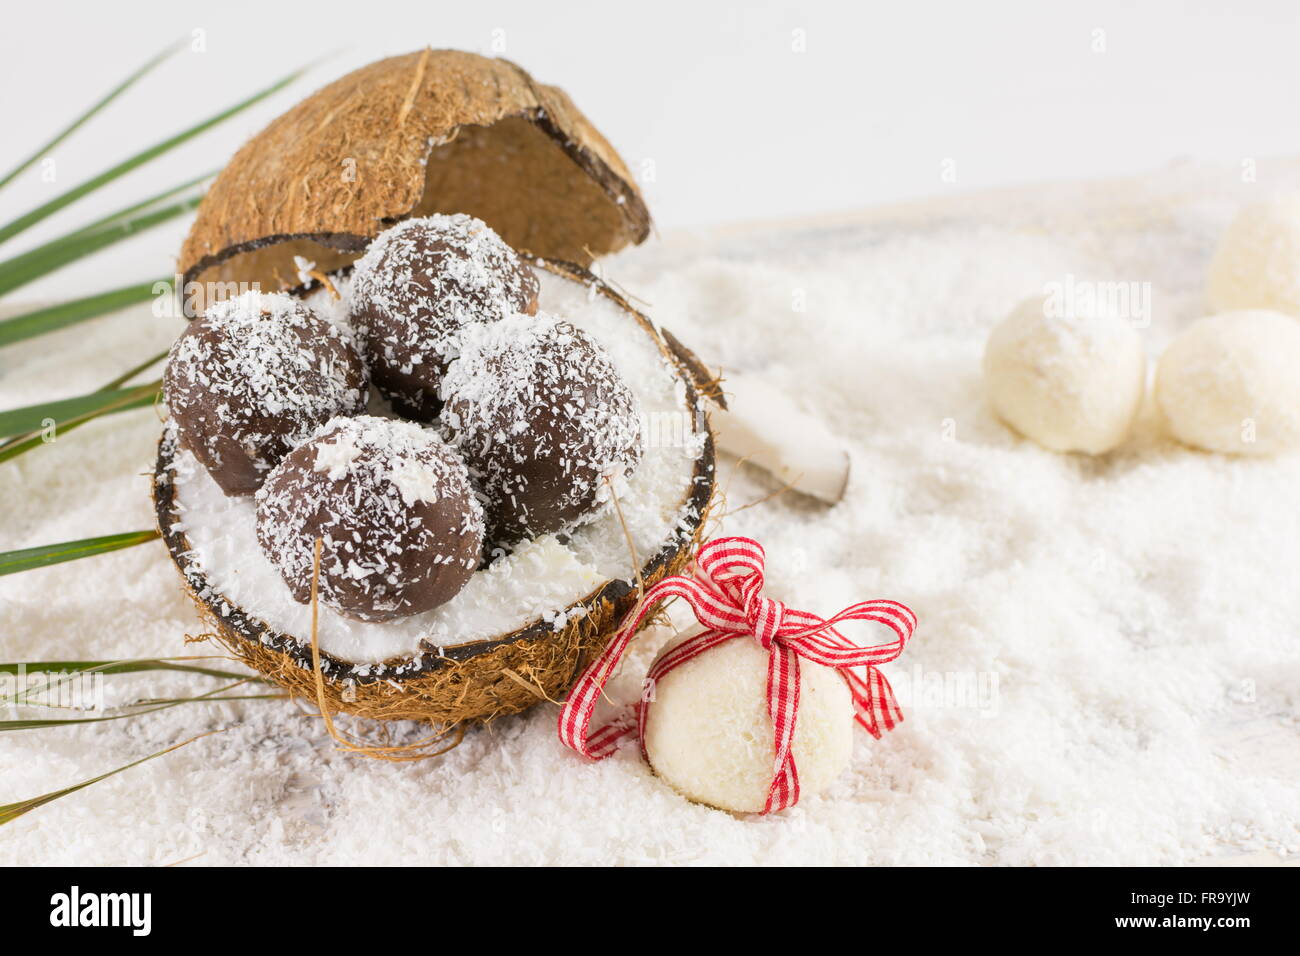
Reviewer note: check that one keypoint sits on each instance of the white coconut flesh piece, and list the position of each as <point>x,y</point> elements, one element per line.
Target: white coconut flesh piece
<point>541,581</point>
<point>763,427</point>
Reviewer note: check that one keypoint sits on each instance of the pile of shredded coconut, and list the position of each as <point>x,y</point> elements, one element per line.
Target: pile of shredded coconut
<point>1105,671</point>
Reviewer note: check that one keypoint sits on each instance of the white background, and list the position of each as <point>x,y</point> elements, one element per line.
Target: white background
<point>736,123</point>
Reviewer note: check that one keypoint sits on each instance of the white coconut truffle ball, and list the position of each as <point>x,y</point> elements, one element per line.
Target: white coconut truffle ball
<point>1231,383</point>
<point>1257,264</point>
<point>1069,382</point>
<point>708,733</point>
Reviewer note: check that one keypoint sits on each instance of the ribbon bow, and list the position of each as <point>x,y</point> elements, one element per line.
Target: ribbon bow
<point>725,592</point>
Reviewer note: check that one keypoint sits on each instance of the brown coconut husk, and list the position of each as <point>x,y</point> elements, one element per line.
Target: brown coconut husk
<point>468,683</point>
<point>428,132</point>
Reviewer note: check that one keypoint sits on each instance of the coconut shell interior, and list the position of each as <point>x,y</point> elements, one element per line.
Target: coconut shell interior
<point>432,131</point>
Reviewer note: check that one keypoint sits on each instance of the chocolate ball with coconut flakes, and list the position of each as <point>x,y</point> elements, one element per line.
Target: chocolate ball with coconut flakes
<point>253,377</point>
<point>543,419</point>
<point>392,503</point>
<point>417,287</point>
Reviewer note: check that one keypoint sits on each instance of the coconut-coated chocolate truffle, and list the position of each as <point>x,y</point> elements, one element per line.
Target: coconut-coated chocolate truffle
<point>253,377</point>
<point>401,529</point>
<point>418,285</point>
<point>541,415</point>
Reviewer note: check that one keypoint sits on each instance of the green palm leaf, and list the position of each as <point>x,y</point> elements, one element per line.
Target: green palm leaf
<point>26,441</point>
<point>131,373</point>
<point>48,209</point>
<point>99,234</point>
<point>65,671</point>
<point>80,120</point>
<point>115,218</point>
<point>138,709</point>
<point>12,811</point>
<point>33,418</point>
<point>131,666</point>
<point>29,266</point>
<point>27,559</point>
<point>38,322</point>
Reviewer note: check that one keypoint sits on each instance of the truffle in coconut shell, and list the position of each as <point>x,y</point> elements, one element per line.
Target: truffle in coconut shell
<point>401,530</point>
<point>252,378</point>
<point>543,419</point>
<point>708,733</point>
<point>417,287</point>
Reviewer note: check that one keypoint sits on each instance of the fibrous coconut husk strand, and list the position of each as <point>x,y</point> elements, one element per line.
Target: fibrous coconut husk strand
<point>776,493</point>
<point>627,537</point>
<point>396,753</point>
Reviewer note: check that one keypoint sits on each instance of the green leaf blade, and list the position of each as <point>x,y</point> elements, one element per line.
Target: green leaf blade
<point>55,317</point>
<point>41,723</point>
<point>17,445</point>
<point>132,666</point>
<point>126,213</point>
<point>32,265</point>
<point>67,411</point>
<point>138,709</point>
<point>12,811</point>
<point>27,559</point>
<point>42,212</point>
<point>95,108</point>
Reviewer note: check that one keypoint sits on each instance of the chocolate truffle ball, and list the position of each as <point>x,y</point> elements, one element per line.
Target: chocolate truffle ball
<point>418,285</point>
<point>252,378</point>
<point>543,418</point>
<point>401,529</point>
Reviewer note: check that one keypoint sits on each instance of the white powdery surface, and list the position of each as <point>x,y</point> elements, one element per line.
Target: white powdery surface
<point>1137,611</point>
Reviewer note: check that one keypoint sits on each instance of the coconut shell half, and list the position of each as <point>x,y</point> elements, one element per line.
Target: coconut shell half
<point>428,132</point>
<point>471,681</point>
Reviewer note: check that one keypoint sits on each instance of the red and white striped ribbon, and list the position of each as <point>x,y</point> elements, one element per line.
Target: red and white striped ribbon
<point>725,592</point>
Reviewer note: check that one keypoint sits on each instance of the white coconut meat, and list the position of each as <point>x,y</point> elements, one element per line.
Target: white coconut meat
<point>540,579</point>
